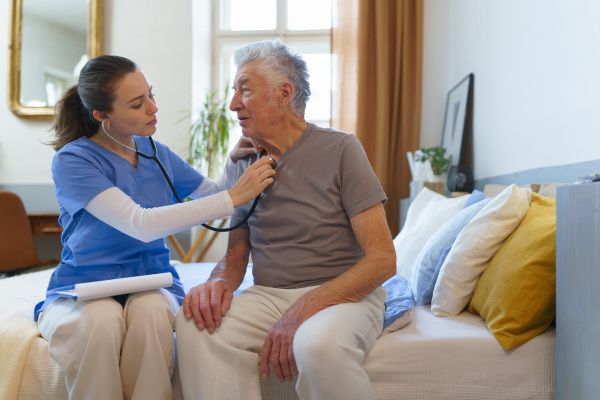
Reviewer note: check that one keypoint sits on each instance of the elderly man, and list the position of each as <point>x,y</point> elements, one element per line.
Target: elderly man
<point>320,246</point>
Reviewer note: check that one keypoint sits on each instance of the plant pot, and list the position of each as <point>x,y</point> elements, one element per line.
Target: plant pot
<point>437,183</point>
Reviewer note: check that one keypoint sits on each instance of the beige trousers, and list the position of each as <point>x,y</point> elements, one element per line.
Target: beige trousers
<point>110,351</point>
<point>329,348</point>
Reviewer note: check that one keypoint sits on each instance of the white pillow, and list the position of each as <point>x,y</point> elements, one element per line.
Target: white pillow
<point>474,248</point>
<point>428,211</point>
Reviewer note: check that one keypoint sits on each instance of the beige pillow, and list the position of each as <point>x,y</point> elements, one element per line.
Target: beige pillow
<point>549,189</point>
<point>493,189</point>
<point>474,247</point>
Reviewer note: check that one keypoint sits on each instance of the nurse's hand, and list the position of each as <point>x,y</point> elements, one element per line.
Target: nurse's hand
<point>252,182</point>
<point>207,303</point>
<point>243,148</point>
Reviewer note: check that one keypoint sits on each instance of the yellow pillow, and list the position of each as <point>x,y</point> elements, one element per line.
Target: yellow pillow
<point>516,294</point>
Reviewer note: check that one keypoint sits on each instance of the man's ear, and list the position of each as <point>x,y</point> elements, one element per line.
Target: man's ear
<point>99,115</point>
<point>287,93</point>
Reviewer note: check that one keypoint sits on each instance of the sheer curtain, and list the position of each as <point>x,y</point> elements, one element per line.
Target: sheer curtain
<point>377,58</point>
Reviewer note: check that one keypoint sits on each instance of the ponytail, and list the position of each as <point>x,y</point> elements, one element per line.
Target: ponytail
<point>72,119</point>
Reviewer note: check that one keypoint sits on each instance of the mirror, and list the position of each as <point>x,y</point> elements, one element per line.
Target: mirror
<point>49,43</point>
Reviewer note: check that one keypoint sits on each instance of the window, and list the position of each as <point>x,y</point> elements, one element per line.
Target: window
<point>304,25</point>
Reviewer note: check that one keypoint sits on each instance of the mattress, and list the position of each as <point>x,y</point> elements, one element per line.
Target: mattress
<point>431,358</point>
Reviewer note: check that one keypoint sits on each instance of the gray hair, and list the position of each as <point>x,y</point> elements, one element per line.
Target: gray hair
<point>283,64</point>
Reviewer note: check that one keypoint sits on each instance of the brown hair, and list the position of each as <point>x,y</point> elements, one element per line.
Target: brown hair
<point>94,91</point>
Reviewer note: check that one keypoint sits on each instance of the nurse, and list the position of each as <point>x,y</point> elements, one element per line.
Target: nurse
<point>116,209</point>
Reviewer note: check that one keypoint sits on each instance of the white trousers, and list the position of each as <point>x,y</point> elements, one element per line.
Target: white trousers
<point>108,351</point>
<point>329,348</point>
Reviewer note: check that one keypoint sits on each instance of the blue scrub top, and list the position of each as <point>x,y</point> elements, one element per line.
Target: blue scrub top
<point>93,250</point>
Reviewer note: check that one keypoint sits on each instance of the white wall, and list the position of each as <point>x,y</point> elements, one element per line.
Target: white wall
<point>537,79</point>
<point>154,33</point>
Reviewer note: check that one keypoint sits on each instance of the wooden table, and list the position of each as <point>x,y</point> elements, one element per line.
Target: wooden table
<point>45,223</point>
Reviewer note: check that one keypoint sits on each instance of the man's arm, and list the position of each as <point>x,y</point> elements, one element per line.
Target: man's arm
<point>208,303</point>
<point>378,265</point>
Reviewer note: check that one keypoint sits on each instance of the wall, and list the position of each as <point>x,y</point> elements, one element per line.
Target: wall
<point>155,34</point>
<point>536,79</point>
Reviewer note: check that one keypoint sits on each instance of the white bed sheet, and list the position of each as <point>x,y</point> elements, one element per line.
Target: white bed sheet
<point>431,358</point>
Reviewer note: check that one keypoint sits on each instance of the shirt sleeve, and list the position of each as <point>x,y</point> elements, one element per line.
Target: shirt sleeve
<point>118,210</point>
<point>360,188</point>
<point>224,182</point>
<point>78,178</point>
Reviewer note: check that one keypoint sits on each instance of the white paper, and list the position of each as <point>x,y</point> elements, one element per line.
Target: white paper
<point>422,170</point>
<point>115,287</point>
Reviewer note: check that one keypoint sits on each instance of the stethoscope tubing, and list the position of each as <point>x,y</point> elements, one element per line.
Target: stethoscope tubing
<point>164,171</point>
<point>154,157</point>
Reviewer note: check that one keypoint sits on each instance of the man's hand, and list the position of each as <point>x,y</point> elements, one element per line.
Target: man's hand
<point>242,148</point>
<point>278,350</point>
<point>208,303</point>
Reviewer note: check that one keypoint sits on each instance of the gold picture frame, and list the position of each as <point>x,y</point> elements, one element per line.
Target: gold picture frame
<point>15,68</point>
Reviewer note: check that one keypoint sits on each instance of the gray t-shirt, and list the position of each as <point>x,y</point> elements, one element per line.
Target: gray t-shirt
<point>300,232</point>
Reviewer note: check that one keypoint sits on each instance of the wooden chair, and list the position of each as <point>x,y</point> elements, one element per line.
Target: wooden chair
<point>17,247</point>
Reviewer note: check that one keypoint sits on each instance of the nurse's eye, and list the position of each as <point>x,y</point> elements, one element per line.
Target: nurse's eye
<point>137,106</point>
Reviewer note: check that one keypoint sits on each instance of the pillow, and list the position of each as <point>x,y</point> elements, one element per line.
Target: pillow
<point>516,293</point>
<point>474,247</point>
<point>549,189</point>
<point>425,269</point>
<point>428,211</point>
<point>492,189</point>
<point>475,197</point>
<point>398,304</point>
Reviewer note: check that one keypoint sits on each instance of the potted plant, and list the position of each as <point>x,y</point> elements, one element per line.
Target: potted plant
<point>209,134</point>
<point>209,145</point>
<point>436,157</point>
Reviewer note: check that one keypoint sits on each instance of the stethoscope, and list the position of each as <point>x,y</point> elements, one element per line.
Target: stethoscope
<point>154,157</point>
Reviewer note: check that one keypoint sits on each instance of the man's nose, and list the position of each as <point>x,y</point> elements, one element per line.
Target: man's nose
<point>235,103</point>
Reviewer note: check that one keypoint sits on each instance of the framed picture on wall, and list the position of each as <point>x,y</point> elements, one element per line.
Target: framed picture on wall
<point>456,120</point>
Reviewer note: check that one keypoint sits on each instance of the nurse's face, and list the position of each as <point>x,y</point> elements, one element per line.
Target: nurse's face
<point>134,109</point>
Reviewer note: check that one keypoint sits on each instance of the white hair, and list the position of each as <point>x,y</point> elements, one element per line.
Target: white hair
<point>283,64</point>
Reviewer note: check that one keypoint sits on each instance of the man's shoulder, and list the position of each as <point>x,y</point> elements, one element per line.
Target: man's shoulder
<point>328,134</point>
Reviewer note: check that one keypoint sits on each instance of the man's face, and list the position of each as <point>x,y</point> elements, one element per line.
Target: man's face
<point>256,103</point>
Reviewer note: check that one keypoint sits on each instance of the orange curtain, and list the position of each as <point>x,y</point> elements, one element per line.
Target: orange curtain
<point>377,95</point>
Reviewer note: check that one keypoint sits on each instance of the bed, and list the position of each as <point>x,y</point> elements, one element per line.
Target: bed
<point>433,354</point>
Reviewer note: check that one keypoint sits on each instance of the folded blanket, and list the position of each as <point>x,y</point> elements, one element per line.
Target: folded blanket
<point>18,296</point>
<point>16,334</point>
<point>398,304</point>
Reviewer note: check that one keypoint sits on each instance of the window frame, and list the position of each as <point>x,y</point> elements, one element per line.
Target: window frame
<point>225,42</point>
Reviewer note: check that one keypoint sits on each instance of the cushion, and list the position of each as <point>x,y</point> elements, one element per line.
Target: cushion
<point>428,211</point>
<point>425,269</point>
<point>474,247</point>
<point>475,197</point>
<point>549,189</point>
<point>492,189</point>
<point>516,293</point>
<point>398,304</point>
